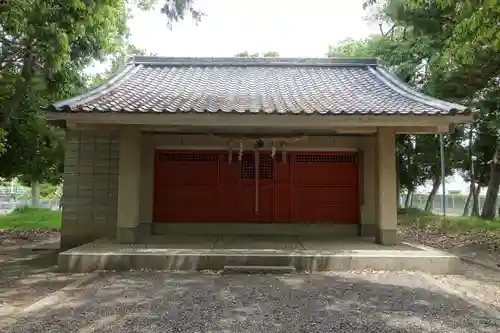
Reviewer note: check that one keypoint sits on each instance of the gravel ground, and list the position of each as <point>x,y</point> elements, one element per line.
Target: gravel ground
<point>477,282</point>
<point>7,236</point>
<point>484,245</point>
<point>341,302</point>
<point>28,271</point>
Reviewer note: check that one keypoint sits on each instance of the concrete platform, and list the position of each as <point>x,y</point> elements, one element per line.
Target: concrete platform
<point>306,254</point>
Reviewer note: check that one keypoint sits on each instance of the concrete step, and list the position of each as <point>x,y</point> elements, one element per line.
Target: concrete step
<point>229,269</point>
<point>123,257</point>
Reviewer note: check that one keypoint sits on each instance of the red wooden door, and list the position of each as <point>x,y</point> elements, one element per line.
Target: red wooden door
<point>257,187</point>
<point>325,188</point>
<point>204,186</point>
<point>193,186</point>
<point>186,186</point>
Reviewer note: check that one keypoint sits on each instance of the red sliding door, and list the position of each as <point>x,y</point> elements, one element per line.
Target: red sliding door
<point>204,186</point>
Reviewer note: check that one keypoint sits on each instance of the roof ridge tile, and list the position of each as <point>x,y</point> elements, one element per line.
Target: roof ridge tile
<point>253,61</point>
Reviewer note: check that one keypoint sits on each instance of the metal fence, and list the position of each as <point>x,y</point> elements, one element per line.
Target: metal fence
<point>9,206</point>
<point>455,203</point>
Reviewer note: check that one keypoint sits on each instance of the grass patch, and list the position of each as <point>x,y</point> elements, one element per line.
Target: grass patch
<point>420,219</point>
<point>30,218</point>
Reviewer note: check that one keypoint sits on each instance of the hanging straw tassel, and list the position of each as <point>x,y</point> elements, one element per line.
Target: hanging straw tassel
<point>283,152</point>
<point>230,150</point>
<point>240,155</point>
<point>257,180</point>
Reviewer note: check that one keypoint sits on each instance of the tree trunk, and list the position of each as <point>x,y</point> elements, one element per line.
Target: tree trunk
<point>35,194</point>
<point>475,201</point>
<point>489,207</point>
<point>430,199</point>
<point>408,199</point>
<point>467,202</point>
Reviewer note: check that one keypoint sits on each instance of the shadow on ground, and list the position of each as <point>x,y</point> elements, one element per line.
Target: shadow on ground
<point>340,302</point>
<point>28,272</point>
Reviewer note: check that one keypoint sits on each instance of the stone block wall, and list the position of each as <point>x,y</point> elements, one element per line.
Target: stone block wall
<point>90,187</point>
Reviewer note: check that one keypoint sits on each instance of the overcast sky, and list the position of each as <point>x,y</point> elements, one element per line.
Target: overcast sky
<point>294,28</point>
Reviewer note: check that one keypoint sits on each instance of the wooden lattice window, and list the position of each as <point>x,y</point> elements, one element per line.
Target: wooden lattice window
<point>266,167</point>
<point>187,157</point>
<point>247,167</point>
<point>322,159</point>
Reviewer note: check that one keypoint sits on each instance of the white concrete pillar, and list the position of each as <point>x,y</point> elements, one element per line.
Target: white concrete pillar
<point>368,209</point>
<point>147,179</point>
<point>387,210</point>
<point>129,183</point>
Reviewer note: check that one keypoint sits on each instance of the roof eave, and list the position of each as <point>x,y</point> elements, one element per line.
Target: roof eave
<point>405,90</point>
<point>112,83</point>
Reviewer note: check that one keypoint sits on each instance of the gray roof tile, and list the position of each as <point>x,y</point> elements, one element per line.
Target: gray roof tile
<point>256,85</point>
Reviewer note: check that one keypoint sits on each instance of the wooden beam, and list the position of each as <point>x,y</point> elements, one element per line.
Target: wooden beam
<point>422,129</point>
<point>260,120</point>
<point>91,126</point>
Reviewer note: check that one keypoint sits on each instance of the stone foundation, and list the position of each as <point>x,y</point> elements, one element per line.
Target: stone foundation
<point>304,254</point>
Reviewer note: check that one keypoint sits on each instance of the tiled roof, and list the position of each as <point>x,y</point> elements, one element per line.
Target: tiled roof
<point>257,85</point>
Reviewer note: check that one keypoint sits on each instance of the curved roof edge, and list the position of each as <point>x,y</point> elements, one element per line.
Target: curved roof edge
<point>405,90</point>
<point>114,81</point>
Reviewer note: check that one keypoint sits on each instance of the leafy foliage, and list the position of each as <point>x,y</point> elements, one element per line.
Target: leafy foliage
<point>45,45</point>
<point>34,149</point>
<point>418,156</point>
<point>256,54</point>
<point>175,10</point>
<point>117,60</point>
<point>40,39</point>
<point>448,49</point>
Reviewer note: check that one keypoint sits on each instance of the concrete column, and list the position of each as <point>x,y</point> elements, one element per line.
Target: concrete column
<point>369,174</point>
<point>147,180</point>
<point>129,183</point>
<point>387,211</point>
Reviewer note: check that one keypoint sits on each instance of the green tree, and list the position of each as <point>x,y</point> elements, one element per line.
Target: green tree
<point>34,152</point>
<point>39,37</point>
<point>256,54</point>
<point>418,158</point>
<point>487,148</point>
<point>116,60</point>
<point>44,48</point>
<point>462,64</point>
<point>174,10</point>
<point>247,54</point>
<point>271,54</point>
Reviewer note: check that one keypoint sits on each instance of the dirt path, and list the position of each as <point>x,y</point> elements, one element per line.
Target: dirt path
<point>480,282</point>
<point>478,247</point>
<point>28,270</point>
<point>28,273</point>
